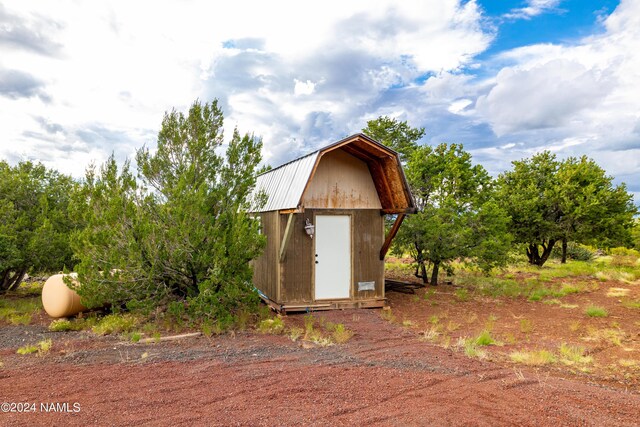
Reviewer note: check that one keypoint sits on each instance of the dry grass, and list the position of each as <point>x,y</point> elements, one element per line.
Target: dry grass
<point>617,292</point>
<point>574,355</point>
<point>533,358</point>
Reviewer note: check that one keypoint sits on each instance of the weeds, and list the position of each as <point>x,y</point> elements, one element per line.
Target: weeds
<point>452,326</point>
<point>471,348</point>
<point>386,314</point>
<point>564,290</point>
<point>115,324</point>
<point>273,326</point>
<point>295,333</point>
<point>596,311</point>
<point>341,334</point>
<point>491,322</point>
<point>611,336</point>
<point>534,358</point>
<point>408,323</point>
<point>462,294</point>
<point>632,304</point>
<point>629,363</point>
<point>526,326</point>
<point>27,349</point>
<point>572,355</point>
<point>64,325</point>
<point>575,325</point>
<point>19,311</point>
<point>41,348</point>
<point>429,294</point>
<point>617,292</point>
<point>484,339</point>
<point>430,334</point>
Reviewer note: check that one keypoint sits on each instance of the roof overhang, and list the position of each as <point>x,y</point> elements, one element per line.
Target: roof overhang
<point>285,186</point>
<point>386,171</point>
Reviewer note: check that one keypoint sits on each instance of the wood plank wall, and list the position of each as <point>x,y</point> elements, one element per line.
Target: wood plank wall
<point>368,230</point>
<point>341,181</point>
<point>297,271</point>
<point>266,267</point>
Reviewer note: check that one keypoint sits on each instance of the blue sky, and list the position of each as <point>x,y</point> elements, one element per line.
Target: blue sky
<point>80,80</point>
<point>561,22</point>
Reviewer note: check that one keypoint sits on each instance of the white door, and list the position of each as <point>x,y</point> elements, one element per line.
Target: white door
<point>333,256</point>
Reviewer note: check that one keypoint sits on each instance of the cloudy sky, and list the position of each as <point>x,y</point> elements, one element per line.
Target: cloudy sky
<point>82,79</point>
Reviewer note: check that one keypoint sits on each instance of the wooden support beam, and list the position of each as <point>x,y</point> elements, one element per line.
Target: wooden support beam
<point>288,231</point>
<point>294,210</point>
<point>391,235</point>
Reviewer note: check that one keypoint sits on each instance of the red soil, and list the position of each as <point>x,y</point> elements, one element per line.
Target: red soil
<point>383,376</point>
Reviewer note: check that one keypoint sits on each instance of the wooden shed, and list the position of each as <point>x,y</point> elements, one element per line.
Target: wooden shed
<point>324,223</point>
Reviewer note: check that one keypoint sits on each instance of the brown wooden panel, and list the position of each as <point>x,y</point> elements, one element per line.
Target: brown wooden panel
<point>381,184</point>
<point>265,267</point>
<point>341,181</point>
<point>368,237</point>
<point>296,270</point>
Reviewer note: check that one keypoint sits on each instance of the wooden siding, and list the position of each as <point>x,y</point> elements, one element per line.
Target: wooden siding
<point>368,237</point>
<point>297,270</point>
<point>341,181</point>
<point>266,267</point>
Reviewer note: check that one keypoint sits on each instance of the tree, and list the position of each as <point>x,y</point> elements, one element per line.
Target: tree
<point>529,195</point>
<point>395,134</point>
<point>551,201</point>
<point>635,234</point>
<point>34,222</point>
<point>457,216</point>
<point>182,232</point>
<point>593,210</point>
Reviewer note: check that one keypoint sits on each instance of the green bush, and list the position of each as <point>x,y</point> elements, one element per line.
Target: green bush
<point>177,234</point>
<point>34,225</point>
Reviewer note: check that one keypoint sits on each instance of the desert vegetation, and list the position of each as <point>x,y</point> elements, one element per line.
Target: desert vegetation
<point>575,317</point>
<point>170,243</point>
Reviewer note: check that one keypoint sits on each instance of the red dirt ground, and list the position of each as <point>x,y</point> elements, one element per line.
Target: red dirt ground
<point>383,376</point>
<point>613,342</point>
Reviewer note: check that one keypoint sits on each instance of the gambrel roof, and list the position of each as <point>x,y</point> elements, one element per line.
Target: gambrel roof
<point>285,185</point>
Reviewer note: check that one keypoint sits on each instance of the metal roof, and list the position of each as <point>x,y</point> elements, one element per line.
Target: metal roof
<point>285,184</point>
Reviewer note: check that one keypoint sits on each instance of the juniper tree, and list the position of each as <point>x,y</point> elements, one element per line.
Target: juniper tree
<point>34,224</point>
<point>181,231</point>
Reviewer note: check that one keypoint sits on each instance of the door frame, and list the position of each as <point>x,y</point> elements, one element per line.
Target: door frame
<point>334,212</point>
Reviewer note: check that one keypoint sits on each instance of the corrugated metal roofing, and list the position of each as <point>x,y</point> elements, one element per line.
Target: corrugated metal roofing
<point>285,184</point>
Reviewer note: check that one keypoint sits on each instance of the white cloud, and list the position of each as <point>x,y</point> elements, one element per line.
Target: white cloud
<point>589,91</point>
<point>532,9</point>
<point>303,88</point>
<point>87,79</point>
<point>119,65</point>
<point>458,106</point>
<point>543,96</point>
